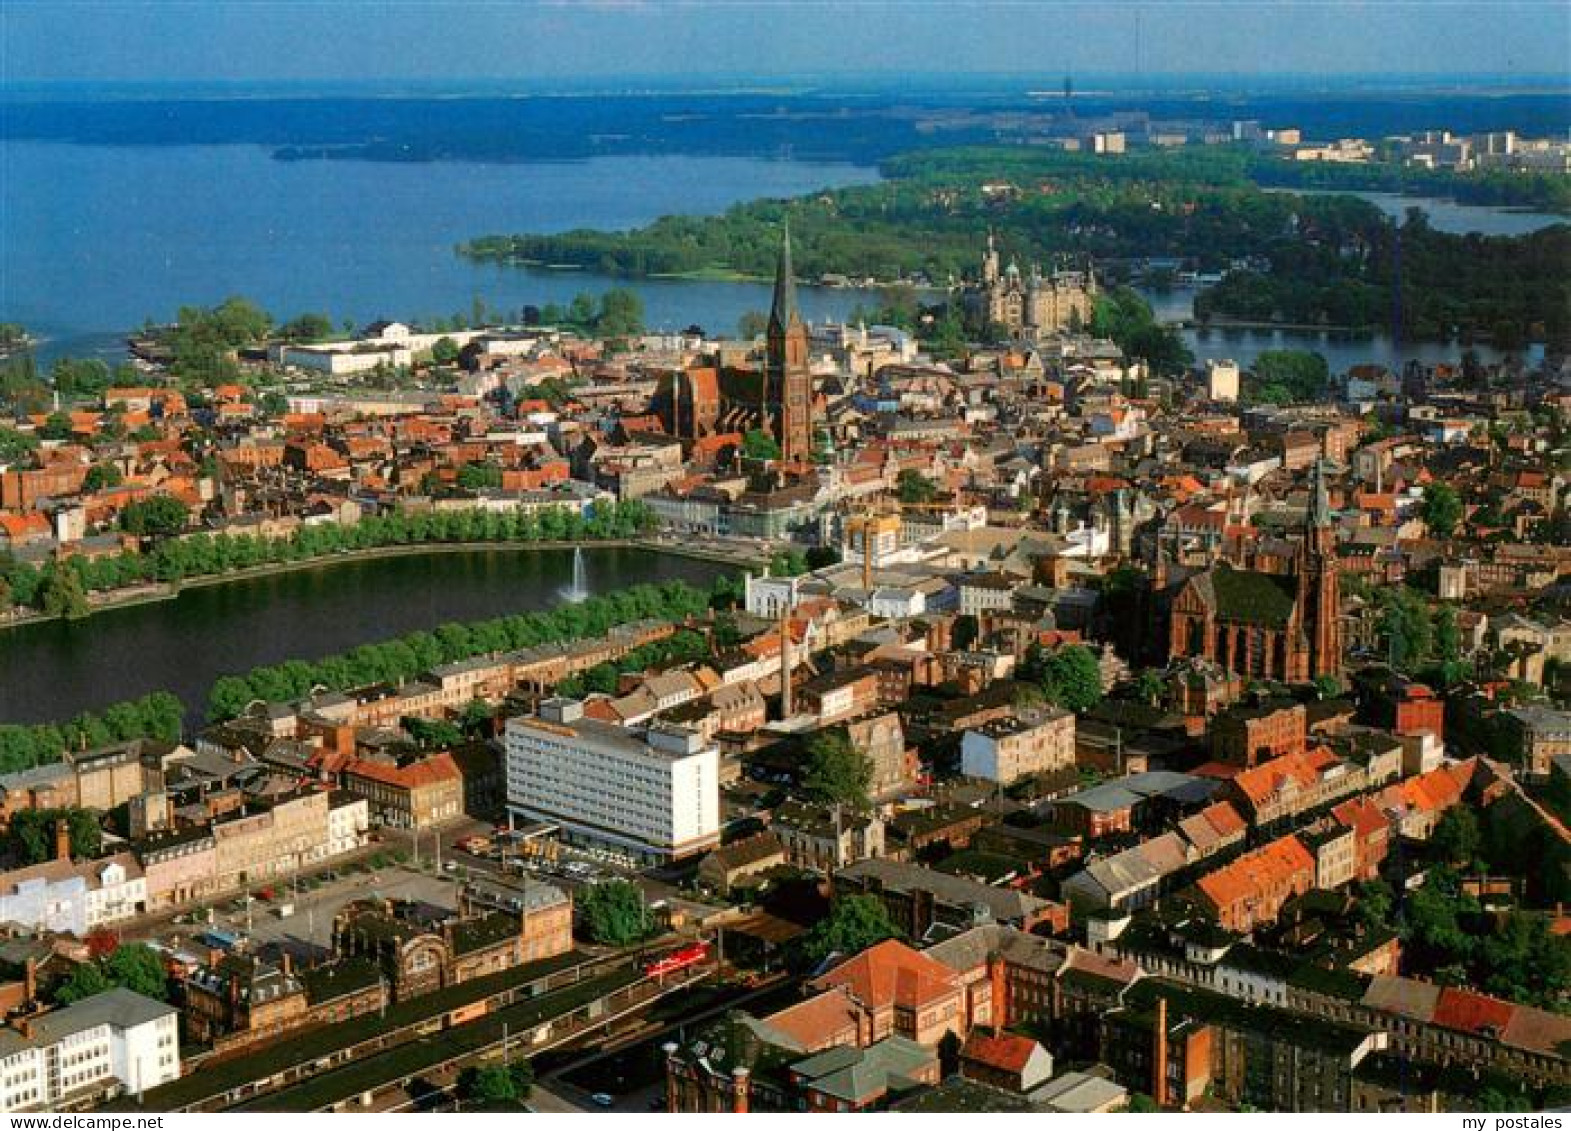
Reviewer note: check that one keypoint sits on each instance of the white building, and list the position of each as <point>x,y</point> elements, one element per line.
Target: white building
<point>1011,748</point>
<point>73,897</point>
<point>770,596</point>
<point>348,818</point>
<point>655,792</point>
<point>1222,380</point>
<point>116,889</point>
<point>114,1042</point>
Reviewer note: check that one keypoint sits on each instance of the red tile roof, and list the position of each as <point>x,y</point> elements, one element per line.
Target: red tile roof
<point>891,973</point>
<point>427,771</point>
<point>1470,1012</point>
<point>1007,1052</point>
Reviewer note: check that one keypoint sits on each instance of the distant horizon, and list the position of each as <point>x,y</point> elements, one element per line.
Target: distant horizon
<point>1042,83</point>
<point>767,41</point>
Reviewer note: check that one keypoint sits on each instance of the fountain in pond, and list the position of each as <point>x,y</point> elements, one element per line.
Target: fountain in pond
<point>579,589</point>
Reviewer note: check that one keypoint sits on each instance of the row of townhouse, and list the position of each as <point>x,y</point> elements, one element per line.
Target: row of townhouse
<point>254,844</point>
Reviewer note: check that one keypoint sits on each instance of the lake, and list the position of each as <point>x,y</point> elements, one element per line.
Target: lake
<point>94,238</point>
<point>55,669</point>
<point>1342,349</point>
<point>1450,215</point>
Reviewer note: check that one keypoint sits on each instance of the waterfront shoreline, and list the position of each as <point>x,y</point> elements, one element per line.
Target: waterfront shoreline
<point>161,592</point>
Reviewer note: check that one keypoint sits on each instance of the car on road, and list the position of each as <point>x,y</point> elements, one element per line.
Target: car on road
<point>601,1099</point>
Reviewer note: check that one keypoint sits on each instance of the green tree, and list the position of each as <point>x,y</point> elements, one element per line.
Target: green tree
<point>87,980</point>
<point>948,337</point>
<point>964,632</point>
<point>158,515</point>
<point>1376,902</point>
<point>477,717</point>
<point>1495,1098</point>
<point>1072,679</point>
<point>1150,687</point>
<point>1442,509</point>
<point>914,487</point>
<point>1287,376</point>
<point>760,445</point>
<point>307,328</point>
<point>483,476</point>
<point>621,313</point>
<point>102,475</point>
<point>581,311</point>
<point>752,324</point>
<point>788,563</point>
<point>1125,317</point>
<point>614,913</point>
<point>837,773</point>
<point>1456,838</point>
<point>139,969</point>
<point>819,557</point>
<point>444,351</point>
<point>60,592</point>
<point>497,1083</point>
<point>1327,686</point>
<point>432,734</point>
<point>56,427</point>
<point>853,924</point>
<point>1405,627</point>
<point>16,447</point>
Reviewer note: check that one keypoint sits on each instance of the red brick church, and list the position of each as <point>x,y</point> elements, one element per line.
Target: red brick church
<point>1281,625</point>
<point>714,398</point>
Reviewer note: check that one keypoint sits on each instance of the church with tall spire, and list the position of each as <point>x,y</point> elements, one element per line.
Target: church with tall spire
<point>1265,623</point>
<point>717,397</point>
<point>788,383</point>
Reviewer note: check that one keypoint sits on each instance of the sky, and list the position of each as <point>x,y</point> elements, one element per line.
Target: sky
<point>305,41</point>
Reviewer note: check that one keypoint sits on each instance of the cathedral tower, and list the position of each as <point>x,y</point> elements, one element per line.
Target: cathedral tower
<point>788,386</point>
<point>1320,596</point>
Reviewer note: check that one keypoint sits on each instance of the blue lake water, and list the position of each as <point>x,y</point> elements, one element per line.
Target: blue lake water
<point>96,238</point>
<point>1451,215</point>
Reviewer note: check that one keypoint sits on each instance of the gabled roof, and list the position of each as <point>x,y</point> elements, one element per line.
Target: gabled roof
<point>891,973</point>
<point>808,1024</point>
<point>1007,1052</point>
<point>1247,596</point>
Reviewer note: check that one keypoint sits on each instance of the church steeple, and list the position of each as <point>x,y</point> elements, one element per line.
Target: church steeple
<point>783,312</point>
<point>1319,514</point>
<point>1319,594</point>
<point>788,382</point>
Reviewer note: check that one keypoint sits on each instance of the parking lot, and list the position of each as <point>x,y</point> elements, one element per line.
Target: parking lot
<point>311,911</point>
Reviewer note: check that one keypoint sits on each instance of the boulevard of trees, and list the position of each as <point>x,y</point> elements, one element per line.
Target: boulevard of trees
<point>159,716</point>
<point>59,589</point>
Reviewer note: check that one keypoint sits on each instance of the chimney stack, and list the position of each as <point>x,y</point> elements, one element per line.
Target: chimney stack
<point>867,555</point>
<point>670,1050</point>
<point>999,975</point>
<point>739,1092</point>
<point>786,707</point>
<point>1159,1055</point>
<point>30,981</point>
<point>62,839</point>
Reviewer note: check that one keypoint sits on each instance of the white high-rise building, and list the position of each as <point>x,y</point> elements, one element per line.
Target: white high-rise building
<point>654,792</point>
<point>117,1041</point>
<point>1222,380</point>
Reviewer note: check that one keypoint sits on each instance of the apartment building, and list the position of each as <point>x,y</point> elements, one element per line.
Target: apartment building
<point>655,792</point>
<point>113,1042</point>
<point>1007,749</point>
